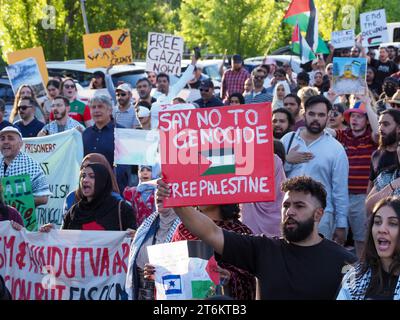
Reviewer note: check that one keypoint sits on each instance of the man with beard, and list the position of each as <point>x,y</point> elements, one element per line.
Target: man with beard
<point>62,122</point>
<point>359,141</point>
<point>124,113</point>
<point>282,122</point>
<point>143,87</point>
<point>314,152</point>
<point>390,86</point>
<point>293,104</point>
<point>389,133</point>
<point>258,94</point>
<point>301,265</point>
<point>234,78</point>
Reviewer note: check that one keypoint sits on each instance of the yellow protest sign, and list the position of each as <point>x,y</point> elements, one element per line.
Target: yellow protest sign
<point>36,53</point>
<point>107,48</point>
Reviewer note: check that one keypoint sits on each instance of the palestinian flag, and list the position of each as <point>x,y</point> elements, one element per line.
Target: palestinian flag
<point>195,260</point>
<point>304,13</point>
<point>222,161</point>
<point>301,47</point>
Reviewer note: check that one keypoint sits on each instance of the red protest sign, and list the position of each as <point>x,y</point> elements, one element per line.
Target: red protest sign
<point>218,155</point>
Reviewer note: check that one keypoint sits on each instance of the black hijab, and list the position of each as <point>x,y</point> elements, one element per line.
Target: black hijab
<point>103,209</point>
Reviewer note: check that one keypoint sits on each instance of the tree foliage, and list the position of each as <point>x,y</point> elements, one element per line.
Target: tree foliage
<point>248,27</point>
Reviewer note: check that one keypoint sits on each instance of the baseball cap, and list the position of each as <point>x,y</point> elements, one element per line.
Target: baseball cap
<point>237,58</point>
<point>358,107</point>
<point>10,129</point>
<point>124,87</point>
<point>206,84</point>
<point>143,112</point>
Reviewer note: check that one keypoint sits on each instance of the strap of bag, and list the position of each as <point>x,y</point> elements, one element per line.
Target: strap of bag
<point>290,141</point>
<point>119,215</point>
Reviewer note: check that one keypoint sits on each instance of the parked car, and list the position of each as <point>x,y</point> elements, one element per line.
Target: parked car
<point>294,62</point>
<point>76,69</point>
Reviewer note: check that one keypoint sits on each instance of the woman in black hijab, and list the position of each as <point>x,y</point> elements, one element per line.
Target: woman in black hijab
<point>98,209</point>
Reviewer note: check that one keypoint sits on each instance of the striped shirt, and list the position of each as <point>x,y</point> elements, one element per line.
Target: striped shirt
<point>262,96</point>
<point>359,151</point>
<point>233,81</point>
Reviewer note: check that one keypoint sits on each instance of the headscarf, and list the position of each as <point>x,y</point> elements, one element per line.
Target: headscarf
<point>102,204</point>
<point>99,158</point>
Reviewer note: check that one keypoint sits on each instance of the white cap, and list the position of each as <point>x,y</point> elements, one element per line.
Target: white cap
<point>10,129</point>
<point>124,87</point>
<point>143,112</point>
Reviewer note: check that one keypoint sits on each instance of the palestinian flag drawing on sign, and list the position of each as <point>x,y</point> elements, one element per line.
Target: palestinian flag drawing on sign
<point>222,161</point>
<point>304,13</point>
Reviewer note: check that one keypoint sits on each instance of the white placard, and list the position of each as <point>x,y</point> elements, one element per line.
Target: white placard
<point>343,38</point>
<point>373,28</point>
<point>164,53</point>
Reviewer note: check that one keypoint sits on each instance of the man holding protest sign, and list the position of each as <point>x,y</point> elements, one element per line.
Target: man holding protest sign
<point>16,162</point>
<point>302,265</point>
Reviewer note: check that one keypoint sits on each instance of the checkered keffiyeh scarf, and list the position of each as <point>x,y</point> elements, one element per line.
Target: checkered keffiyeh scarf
<point>24,164</point>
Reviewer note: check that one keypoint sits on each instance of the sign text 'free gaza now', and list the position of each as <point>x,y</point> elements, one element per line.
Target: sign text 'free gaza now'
<point>218,155</point>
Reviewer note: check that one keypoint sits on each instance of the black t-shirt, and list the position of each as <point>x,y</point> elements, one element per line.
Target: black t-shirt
<point>383,70</point>
<point>389,286</point>
<point>30,130</point>
<point>380,160</point>
<point>286,271</point>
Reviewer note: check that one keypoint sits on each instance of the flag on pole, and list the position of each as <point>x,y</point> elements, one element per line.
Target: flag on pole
<point>301,47</point>
<point>304,13</point>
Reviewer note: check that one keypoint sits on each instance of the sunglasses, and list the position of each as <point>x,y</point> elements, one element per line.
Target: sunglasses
<point>23,108</point>
<point>259,77</point>
<point>69,86</point>
<point>121,94</point>
<point>205,90</point>
<point>334,114</point>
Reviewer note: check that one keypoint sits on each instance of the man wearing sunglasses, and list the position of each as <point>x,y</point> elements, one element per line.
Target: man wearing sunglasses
<point>28,125</point>
<point>208,99</point>
<point>124,112</point>
<point>259,93</point>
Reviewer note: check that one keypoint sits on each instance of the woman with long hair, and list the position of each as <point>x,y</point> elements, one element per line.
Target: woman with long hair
<point>376,276</point>
<point>53,90</point>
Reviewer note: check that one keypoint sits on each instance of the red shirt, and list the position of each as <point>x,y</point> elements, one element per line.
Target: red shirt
<point>359,151</point>
<point>233,81</point>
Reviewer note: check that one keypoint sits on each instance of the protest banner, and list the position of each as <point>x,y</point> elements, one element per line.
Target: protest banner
<point>218,155</point>
<point>64,265</point>
<point>343,38</point>
<point>26,72</point>
<point>164,53</point>
<point>60,157</point>
<point>373,28</point>
<point>184,270</point>
<point>36,53</point>
<point>136,146</point>
<point>17,193</point>
<point>349,75</point>
<point>107,48</point>
<point>160,106</point>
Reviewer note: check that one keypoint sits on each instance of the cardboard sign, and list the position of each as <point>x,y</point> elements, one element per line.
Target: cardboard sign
<point>164,53</point>
<point>343,39</point>
<point>182,271</point>
<point>64,265</point>
<point>218,155</point>
<point>373,28</point>
<point>26,72</point>
<point>349,75</point>
<point>36,53</point>
<point>107,48</point>
<point>17,192</point>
